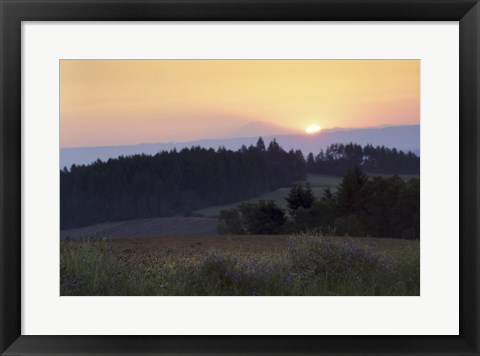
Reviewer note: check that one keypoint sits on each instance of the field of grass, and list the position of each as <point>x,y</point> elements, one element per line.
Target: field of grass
<point>240,265</point>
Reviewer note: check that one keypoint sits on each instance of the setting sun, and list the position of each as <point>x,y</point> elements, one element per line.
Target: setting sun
<point>312,129</point>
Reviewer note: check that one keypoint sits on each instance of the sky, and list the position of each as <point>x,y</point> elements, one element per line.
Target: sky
<point>122,102</point>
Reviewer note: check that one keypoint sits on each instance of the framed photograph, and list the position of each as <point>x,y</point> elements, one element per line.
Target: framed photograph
<point>240,177</point>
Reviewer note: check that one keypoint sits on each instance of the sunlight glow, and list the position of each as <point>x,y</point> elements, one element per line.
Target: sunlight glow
<point>312,129</point>
<point>128,102</point>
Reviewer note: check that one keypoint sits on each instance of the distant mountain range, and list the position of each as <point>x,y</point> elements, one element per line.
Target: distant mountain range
<point>405,138</point>
<point>262,128</point>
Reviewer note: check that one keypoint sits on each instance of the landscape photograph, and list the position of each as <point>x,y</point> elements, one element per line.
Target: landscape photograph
<point>239,178</point>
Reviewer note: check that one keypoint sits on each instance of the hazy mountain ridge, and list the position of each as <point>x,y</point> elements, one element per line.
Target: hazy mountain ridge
<point>262,128</point>
<point>405,138</point>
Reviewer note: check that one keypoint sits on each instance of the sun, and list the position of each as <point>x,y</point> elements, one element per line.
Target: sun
<point>312,129</point>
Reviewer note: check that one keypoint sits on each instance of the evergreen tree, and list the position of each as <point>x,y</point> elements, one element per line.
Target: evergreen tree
<point>299,197</point>
<point>260,144</point>
<point>350,194</point>
<point>310,162</point>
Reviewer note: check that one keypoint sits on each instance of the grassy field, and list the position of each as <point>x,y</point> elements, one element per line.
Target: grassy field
<point>240,265</point>
<point>317,182</point>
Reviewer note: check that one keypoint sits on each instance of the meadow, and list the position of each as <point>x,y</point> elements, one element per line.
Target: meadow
<point>251,265</point>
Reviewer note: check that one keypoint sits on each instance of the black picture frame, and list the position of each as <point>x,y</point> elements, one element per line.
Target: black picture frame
<point>13,12</point>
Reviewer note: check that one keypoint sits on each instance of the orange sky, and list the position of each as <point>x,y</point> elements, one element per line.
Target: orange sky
<point>116,102</point>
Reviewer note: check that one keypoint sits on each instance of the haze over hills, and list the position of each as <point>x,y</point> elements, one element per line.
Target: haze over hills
<point>262,128</point>
<point>405,138</point>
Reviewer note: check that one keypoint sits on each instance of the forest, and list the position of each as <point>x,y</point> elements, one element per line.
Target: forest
<point>338,159</point>
<point>380,207</point>
<point>173,183</point>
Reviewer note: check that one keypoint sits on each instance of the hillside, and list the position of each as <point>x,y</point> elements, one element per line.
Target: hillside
<point>155,227</point>
<point>317,182</point>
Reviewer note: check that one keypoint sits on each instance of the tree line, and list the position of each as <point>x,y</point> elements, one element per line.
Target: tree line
<point>338,159</point>
<point>173,182</point>
<point>380,207</point>
<point>180,182</point>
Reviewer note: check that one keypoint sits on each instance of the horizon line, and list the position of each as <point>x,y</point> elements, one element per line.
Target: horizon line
<point>238,137</point>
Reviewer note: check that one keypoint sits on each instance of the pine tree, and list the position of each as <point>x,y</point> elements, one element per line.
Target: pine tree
<point>260,144</point>
<point>310,162</point>
<point>350,193</point>
<point>299,197</point>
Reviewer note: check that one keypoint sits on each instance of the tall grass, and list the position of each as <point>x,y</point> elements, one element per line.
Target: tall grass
<point>312,265</point>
